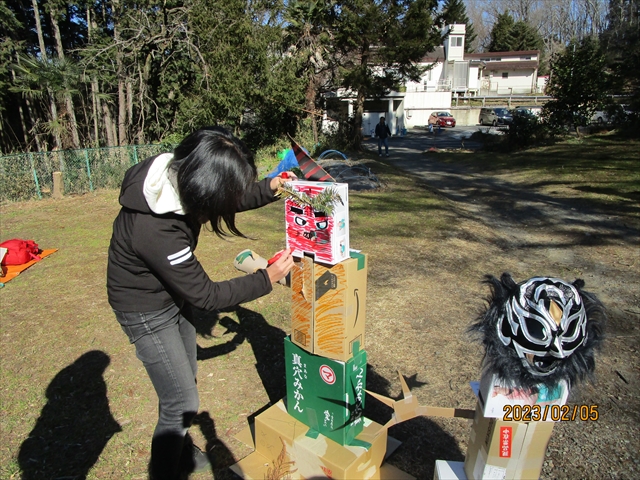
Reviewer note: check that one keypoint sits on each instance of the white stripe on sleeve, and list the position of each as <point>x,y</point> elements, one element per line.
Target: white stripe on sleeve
<point>179,257</point>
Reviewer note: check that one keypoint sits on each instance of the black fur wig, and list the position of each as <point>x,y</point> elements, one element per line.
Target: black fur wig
<point>540,331</point>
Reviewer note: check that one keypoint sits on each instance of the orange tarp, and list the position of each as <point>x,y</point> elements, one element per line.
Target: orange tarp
<point>12,271</point>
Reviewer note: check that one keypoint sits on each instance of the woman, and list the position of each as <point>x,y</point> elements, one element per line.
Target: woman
<point>152,272</point>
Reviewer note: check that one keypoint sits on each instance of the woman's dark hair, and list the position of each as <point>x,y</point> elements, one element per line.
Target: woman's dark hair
<point>214,169</point>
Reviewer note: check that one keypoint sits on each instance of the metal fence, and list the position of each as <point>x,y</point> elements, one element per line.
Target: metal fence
<point>30,175</point>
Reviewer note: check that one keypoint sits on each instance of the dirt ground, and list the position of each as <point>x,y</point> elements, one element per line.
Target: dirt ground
<point>506,225</point>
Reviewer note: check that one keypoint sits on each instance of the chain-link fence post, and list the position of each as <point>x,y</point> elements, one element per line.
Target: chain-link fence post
<point>35,176</point>
<point>86,159</point>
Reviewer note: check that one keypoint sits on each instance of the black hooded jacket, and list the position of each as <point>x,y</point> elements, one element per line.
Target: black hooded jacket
<point>151,261</point>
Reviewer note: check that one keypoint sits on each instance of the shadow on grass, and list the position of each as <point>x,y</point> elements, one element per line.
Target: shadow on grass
<point>423,441</point>
<point>217,452</point>
<point>604,170</point>
<point>267,343</point>
<point>75,424</point>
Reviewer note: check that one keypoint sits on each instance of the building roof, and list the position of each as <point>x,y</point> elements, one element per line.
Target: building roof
<point>517,65</point>
<point>436,54</point>
<point>516,53</point>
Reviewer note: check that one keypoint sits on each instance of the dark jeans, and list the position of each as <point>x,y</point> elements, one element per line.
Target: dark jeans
<point>166,345</point>
<point>383,141</point>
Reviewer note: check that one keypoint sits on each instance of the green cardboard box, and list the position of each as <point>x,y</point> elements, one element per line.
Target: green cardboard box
<point>326,395</point>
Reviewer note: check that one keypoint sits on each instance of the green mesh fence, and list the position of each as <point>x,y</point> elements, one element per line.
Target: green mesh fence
<point>30,175</point>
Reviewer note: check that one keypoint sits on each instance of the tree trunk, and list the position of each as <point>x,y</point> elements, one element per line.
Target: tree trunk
<point>36,14</point>
<point>95,110</point>
<point>53,109</point>
<point>122,105</point>
<point>357,121</point>
<point>310,104</point>
<point>73,125</point>
<point>109,126</point>
<point>120,73</point>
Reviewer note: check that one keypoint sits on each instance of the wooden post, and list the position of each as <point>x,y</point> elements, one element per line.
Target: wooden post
<point>58,187</point>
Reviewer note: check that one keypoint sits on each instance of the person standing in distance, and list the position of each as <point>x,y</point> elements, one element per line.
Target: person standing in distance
<point>153,273</point>
<point>383,133</point>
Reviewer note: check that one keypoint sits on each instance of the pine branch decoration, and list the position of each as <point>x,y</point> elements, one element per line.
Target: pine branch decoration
<point>281,468</point>
<point>325,201</point>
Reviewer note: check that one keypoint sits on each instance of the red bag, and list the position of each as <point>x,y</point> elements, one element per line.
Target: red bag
<point>20,251</point>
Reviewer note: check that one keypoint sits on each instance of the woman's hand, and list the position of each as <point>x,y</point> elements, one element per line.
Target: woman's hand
<point>280,267</point>
<point>281,179</point>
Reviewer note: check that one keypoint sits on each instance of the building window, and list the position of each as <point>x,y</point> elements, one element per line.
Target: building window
<point>455,41</point>
<point>505,74</point>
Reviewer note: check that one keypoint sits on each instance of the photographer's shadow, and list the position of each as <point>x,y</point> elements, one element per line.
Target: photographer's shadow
<point>74,425</point>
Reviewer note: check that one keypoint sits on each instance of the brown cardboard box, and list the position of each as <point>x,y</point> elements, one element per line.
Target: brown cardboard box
<point>506,450</point>
<point>282,445</point>
<point>328,308</point>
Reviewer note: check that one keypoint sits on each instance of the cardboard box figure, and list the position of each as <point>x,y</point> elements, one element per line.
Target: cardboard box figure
<point>315,224</point>
<point>505,450</point>
<point>326,395</point>
<point>329,306</point>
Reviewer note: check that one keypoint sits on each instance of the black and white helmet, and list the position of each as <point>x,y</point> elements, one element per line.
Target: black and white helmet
<point>540,331</point>
<point>544,321</point>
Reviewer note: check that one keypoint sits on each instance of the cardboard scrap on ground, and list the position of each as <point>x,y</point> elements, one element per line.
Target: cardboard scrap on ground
<point>408,407</point>
<point>12,271</point>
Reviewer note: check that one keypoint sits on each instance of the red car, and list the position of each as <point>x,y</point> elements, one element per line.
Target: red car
<point>443,119</point>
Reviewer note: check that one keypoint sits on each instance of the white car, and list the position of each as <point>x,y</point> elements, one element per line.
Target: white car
<point>528,110</point>
<point>600,117</point>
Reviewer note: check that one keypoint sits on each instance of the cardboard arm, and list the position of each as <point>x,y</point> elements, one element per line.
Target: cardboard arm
<point>408,407</point>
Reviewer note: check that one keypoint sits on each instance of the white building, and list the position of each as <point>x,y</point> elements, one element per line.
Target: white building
<point>451,72</point>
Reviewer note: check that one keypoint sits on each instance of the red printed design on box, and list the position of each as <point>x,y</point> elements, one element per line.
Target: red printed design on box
<point>327,471</point>
<point>308,230</point>
<point>324,234</point>
<point>506,436</point>
<point>327,374</point>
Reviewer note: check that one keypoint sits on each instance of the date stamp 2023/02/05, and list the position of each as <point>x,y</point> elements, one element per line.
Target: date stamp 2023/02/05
<point>555,413</point>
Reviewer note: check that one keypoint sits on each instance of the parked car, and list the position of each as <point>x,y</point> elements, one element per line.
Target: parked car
<point>495,116</point>
<point>612,114</point>
<point>600,117</point>
<point>527,110</point>
<point>443,119</point>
